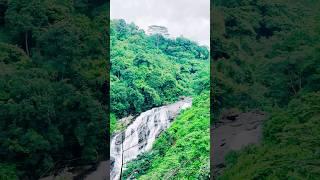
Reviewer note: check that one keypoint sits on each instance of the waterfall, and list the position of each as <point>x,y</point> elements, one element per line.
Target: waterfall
<point>139,136</point>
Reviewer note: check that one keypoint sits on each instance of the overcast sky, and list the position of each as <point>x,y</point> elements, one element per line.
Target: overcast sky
<point>189,18</point>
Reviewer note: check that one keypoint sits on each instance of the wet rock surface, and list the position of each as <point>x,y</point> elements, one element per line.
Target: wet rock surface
<point>89,172</point>
<point>139,136</point>
<point>232,132</point>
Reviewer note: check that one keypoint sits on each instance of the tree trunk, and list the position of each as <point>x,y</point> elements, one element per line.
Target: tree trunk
<point>292,86</point>
<point>26,43</point>
<point>300,80</point>
<point>122,140</point>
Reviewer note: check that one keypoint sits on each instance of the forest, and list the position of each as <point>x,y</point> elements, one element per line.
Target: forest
<point>266,55</point>
<point>53,108</point>
<point>151,71</point>
<point>148,71</point>
<point>54,100</point>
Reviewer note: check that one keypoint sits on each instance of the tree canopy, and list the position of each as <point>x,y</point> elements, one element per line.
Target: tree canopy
<point>148,71</point>
<point>265,56</point>
<point>53,60</point>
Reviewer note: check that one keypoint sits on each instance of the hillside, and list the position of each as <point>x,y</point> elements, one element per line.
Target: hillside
<point>266,57</point>
<point>181,151</point>
<point>150,71</point>
<point>52,86</point>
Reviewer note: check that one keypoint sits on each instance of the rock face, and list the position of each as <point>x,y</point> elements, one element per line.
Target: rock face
<point>141,134</point>
<point>234,131</point>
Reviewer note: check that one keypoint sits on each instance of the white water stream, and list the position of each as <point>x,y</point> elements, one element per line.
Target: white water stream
<point>139,136</point>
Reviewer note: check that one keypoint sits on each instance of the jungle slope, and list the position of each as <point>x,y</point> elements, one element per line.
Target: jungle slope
<point>150,71</point>
<point>52,86</point>
<point>182,151</point>
<point>266,56</point>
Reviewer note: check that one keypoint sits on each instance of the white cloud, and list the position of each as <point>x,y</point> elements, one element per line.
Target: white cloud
<point>189,18</point>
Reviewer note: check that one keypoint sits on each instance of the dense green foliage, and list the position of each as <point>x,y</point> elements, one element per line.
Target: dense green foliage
<point>148,71</point>
<point>113,123</point>
<point>266,55</point>
<point>8,172</point>
<point>257,52</point>
<point>291,145</point>
<point>181,151</point>
<point>52,73</point>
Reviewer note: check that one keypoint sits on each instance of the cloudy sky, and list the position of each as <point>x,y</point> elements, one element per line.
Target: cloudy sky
<point>189,18</point>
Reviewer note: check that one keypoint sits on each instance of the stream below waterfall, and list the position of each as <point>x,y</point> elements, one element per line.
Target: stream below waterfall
<point>233,132</point>
<point>140,135</point>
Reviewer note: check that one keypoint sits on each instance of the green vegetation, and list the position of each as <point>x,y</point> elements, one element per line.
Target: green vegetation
<point>53,59</point>
<point>113,123</point>
<point>181,151</point>
<point>266,55</point>
<point>291,145</point>
<point>150,71</point>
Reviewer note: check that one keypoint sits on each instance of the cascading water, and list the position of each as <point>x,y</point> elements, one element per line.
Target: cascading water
<point>139,136</point>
